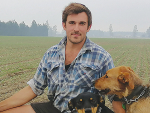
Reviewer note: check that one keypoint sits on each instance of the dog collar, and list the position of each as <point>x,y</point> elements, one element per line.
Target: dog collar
<point>138,91</point>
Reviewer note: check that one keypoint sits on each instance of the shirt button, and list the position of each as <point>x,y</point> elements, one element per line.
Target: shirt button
<point>84,73</point>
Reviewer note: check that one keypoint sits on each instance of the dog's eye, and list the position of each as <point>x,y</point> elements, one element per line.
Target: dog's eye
<point>106,76</point>
<point>80,102</point>
<point>93,101</point>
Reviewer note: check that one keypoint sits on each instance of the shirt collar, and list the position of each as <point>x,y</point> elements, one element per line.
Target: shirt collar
<point>62,42</point>
<point>88,45</point>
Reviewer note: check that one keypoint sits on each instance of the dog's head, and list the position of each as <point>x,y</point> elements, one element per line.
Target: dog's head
<point>86,103</point>
<point>119,80</point>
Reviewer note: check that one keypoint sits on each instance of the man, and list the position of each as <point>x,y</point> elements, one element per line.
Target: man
<point>67,69</point>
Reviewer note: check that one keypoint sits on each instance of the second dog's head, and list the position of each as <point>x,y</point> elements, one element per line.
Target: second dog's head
<point>86,103</point>
<point>119,80</point>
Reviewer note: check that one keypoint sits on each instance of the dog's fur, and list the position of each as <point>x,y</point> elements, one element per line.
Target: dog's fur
<point>88,103</point>
<point>121,81</point>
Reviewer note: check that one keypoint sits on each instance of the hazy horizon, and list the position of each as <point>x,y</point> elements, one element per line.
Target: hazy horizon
<point>122,15</point>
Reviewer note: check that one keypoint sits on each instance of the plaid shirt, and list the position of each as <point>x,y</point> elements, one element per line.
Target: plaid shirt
<point>91,63</point>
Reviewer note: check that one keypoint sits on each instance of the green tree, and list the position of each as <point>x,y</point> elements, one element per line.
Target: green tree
<point>54,30</point>
<point>2,28</point>
<point>24,29</point>
<point>148,32</point>
<point>33,28</point>
<point>110,30</point>
<point>135,31</point>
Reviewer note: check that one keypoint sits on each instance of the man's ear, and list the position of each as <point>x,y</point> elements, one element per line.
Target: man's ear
<point>125,77</point>
<point>64,25</point>
<point>89,27</point>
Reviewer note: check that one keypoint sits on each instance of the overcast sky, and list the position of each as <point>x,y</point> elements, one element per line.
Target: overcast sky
<point>122,14</point>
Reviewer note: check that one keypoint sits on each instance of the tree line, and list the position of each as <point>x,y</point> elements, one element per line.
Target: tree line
<point>134,34</point>
<point>12,28</point>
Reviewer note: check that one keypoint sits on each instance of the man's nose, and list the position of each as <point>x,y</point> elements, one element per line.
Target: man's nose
<point>76,28</point>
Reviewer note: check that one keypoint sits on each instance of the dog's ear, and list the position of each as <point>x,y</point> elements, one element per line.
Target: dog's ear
<point>126,69</point>
<point>102,100</point>
<point>70,105</point>
<point>125,77</point>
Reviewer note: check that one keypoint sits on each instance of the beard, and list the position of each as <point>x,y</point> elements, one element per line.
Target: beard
<point>79,38</point>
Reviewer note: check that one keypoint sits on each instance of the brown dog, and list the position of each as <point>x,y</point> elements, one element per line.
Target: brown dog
<point>123,82</point>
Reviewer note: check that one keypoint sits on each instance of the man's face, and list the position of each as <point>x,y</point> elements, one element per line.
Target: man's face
<point>76,28</point>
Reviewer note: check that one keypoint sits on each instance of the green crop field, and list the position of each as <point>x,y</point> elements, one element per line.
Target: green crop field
<point>20,56</point>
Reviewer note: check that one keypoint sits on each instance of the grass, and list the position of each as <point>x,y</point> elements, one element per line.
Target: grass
<point>20,56</point>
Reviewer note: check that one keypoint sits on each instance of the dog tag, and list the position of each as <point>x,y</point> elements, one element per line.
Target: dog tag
<point>123,106</point>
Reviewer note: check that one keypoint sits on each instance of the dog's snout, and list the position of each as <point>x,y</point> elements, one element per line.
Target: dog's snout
<point>94,82</point>
<point>88,110</point>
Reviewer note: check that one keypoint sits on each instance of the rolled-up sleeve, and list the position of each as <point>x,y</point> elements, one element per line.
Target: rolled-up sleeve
<point>39,82</point>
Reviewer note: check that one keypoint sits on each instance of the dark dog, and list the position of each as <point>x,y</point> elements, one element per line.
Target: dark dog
<point>88,103</point>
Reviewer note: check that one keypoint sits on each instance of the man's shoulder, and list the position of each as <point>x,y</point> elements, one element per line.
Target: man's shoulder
<point>51,52</point>
<point>58,46</point>
<point>97,48</point>
<point>53,49</point>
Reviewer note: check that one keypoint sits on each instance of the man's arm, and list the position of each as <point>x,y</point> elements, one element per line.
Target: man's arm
<point>18,99</point>
<point>117,107</point>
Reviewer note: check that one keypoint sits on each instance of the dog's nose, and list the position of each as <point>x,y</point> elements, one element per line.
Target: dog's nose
<point>88,110</point>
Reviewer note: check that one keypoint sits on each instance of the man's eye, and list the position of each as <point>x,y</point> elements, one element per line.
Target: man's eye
<point>82,23</point>
<point>71,22</point>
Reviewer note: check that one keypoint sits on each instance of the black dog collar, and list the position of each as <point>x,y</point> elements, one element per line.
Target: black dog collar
<point>138,91</point>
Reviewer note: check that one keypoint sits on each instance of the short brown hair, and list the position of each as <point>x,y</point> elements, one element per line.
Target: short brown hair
<point>75,8</point>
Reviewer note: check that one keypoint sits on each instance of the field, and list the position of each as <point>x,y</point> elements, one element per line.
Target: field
<point>20,56</point>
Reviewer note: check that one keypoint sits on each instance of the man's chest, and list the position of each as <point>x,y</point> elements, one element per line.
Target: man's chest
<point>70,57</point>
<point>78,74</point>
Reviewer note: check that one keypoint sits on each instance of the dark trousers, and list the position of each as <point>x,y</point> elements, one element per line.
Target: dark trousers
<point>46,107</point>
